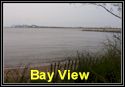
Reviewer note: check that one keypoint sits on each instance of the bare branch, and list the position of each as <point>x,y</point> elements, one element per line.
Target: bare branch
<point>107,10</point>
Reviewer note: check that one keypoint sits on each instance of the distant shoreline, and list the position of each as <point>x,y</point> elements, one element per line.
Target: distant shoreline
<point>37,26</point>
<point>34,26</point>
<point>96,29</point>
<point>104,30</point>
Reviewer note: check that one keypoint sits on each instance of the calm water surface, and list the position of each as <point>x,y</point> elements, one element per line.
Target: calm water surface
<point>23,46</point>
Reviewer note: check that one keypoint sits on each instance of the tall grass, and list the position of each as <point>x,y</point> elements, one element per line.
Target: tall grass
<point>103,68</point>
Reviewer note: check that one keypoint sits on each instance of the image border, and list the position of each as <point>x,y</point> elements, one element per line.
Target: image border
<point>64,84</point>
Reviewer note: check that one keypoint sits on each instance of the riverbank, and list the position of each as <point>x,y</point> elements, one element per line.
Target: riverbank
<point>103,69</point>
<point>15,75</point>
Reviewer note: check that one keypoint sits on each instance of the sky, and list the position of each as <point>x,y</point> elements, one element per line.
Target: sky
<point>58,14</point>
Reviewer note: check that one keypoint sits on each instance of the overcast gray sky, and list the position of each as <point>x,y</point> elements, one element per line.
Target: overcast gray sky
<point>58,14</point>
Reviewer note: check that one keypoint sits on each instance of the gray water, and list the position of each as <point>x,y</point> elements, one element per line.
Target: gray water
<point>35,46</point>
